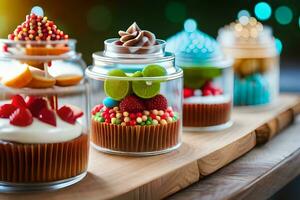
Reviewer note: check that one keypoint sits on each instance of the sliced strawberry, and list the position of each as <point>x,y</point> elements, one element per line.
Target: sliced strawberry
<point>36,104</point>
<point>6,110</point>
<point>18,101</point>
<point>66,114</point>
<point>21,117</point>
<point>76,111</point>
<point>47,116</point>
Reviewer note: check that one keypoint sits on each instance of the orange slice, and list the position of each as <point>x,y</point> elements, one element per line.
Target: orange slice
<point>34,63</point>
<point>39,80</point>
<point>18,77</point>
<point>43,51</point>
<point>68,79</point>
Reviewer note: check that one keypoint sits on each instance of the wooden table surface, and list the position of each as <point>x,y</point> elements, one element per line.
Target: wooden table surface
<point>257,175</point>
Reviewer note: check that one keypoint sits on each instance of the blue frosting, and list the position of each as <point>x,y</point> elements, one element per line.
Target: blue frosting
<point>251,90</point>
<point>110,103</point>
<point>193,44</point>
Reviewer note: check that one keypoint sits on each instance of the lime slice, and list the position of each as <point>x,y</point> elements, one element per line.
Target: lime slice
<point>117,89</point>
<point>154,70</point>
<point>137,74</point>
<point>145,89</point>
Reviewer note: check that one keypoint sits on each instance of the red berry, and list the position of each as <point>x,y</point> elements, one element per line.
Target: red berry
<point>132,104</point>
<point>21,117</point>
<point>96,109</point>
<point>139,114</point>
<point>132,123</point>
<point>66,114</point>
<point>217,91</point>
<point>18,101</point>
<point>206,92</point>
<point>112,115</point>
<point>164,116</point>
<point>6,110</point>
<point>47,116</point>
<point>159,102</point>
<point>208,85</point>
<point>36,104</point>
<point>187,92</point>
<point>153,116</point>
<point>132,116</point>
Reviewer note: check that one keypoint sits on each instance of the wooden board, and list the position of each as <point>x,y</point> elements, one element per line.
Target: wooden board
<point>159,176</point>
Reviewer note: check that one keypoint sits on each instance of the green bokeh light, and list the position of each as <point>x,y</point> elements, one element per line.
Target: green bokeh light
<point>283,15</point>
<point>99,18</point>
<point>263,10</point>
<point>175,12</point>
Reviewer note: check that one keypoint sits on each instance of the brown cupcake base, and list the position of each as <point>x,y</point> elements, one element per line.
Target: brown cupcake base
<point>135,140</point>
<point>206,115</point>
<point>43,163</point>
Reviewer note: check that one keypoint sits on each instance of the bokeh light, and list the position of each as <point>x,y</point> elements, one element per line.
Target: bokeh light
<point>99,18</point>
<point>37,10</point>
<point>278,44</point>
<point>263,10</point>
<point>242,13</point>
<point>299,22</point>
<point>3,23</point>
<point>190,25</point>
<point>175,12</point>
<point>283,15</point>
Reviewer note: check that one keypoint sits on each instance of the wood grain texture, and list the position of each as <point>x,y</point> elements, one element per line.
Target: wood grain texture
<point>158,176</point>
<point>257,175</point>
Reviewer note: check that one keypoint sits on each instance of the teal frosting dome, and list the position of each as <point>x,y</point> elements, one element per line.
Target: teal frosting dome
<point>193,45</point>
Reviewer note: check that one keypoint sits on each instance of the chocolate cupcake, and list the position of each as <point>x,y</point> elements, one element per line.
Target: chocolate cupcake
<point>140,113</point>
<point>207,79</point>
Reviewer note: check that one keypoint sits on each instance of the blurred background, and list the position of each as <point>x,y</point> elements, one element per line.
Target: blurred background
<point>93,21</point>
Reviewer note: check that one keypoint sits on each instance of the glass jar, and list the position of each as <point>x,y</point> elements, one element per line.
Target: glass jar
<point>44,143</point>
<point>208,79</point>
<point>136,100</point>
<point>256,61</point>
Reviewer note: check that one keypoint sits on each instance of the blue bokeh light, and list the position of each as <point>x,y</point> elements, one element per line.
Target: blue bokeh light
<point>283,15</point>
<point>279,45</point>
<point>242,13</point>
<point>190,25</point>
<point>263,11</point>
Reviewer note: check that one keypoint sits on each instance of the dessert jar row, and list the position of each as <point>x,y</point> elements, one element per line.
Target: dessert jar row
<point>136,99</point>
<point>44,138</point>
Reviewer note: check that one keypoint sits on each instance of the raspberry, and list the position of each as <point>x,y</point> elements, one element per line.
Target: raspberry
<point>132,104</point>
<point>159,102</point>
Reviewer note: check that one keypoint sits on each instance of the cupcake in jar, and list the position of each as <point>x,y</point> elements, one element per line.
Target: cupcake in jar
<point>43,124</point>
<point>136,96</point>
<point>256,61</point>
<point>207,79</point>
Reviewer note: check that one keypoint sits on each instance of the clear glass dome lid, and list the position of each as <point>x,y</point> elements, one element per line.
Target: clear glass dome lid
<point>246,32</point>
<point>194,46</point>
<point>135,49</point>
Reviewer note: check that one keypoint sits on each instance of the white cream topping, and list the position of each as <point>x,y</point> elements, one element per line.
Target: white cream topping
<point>40,132</point>
<point>208,99</point>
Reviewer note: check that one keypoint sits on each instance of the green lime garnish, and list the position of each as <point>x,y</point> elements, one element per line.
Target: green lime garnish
<point>153,71</point>
<point>116,89</point>
<point>145,89</point>
<point>137,74</point>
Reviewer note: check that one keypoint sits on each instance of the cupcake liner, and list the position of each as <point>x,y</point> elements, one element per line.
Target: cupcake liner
<point>203,115</point>
<point>32,163</point>
<point>135,138</point>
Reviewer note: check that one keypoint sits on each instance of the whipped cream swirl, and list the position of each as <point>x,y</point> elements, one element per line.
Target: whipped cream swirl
<point>135,37</point>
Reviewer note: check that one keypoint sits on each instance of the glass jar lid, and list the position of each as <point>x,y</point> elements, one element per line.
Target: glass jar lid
<point>247,36</point>
<point>132,56</point>
<point>193,47</point>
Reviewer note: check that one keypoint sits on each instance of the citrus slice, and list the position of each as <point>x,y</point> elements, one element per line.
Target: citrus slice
<point>137,74</point>
<point>68,79</point>
<point>39,80</point>
<point>153,71</point>
<point>145,89</point>
<point>18,77</point>
<point>116,89</point>
<point>42,51</point>
<point>34,63</point>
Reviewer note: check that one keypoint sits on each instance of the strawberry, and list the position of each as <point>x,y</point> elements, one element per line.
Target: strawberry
<point>97,109</point>
<point>6,110</point>
<point>21,117</point>
<point>159,102</point>
<point>36,104</point>
<point>47,116</point>
<point>18,101</point>
<point>132,104</point>
<point>66,114</point>
<point>76,111</point>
